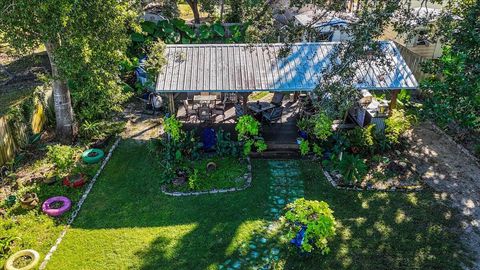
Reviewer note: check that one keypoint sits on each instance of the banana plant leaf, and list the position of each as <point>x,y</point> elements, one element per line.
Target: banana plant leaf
<point>204,32</point>
<point>137,37</point>
<point>218,29</point>
<point>148,27</point>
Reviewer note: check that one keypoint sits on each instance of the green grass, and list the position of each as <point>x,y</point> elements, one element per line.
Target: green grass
<point>127,223</point>
<point>229,173</point>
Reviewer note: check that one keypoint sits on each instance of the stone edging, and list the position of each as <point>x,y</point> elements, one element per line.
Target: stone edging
<point>459,146</point>
<point>390,189</point>
<point>78,206</point>
<point>248,182</point>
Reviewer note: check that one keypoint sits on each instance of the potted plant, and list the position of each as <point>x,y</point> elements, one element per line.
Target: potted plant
<point>75,180</point>
<point>303,126</point>
<point>29,200</point>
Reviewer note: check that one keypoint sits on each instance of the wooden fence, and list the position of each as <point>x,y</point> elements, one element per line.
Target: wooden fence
<point>15,134</point>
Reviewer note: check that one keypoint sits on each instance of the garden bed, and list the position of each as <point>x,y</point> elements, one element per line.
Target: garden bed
<point>390,171</point>
<point>229,174</point>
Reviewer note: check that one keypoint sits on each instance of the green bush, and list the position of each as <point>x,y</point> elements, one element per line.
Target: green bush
<point>173,128</point>
<point>362,138</point>
<point>248,130</point>
<point>322,126</point>
<point>352,168</point>
<point>396,125</point>
<point>318,219</point>
<point>63,156</point>
<point>247,127</point>
<point>304,147</point>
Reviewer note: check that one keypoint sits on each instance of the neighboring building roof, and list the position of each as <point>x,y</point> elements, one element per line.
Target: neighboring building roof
<point>305,19</point>
<point>256,67</point>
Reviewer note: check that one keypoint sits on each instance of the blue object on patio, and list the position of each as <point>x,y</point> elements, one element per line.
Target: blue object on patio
<point>140,72</point>
<point>298,240</point>
<point>209,138</point>
<point>303,134</point>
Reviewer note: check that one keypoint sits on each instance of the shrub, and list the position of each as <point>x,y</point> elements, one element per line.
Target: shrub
<point>156,59</point>
<point>396,125</point>
<point>316,218</point>
<point>63,156</point>
<point>173,128</point>
<point>247,127</point>
<point>352,168</point>
<point>317,150</point>
<point>193,180</point>
<point>98,130</point>
<point>362,138</point>
<point>260,145</point>
<point>248,130</point>
<point>304,147</point>
<point>322,126</point>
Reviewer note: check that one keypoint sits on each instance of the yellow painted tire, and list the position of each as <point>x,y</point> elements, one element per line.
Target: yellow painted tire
<point>27,252</point>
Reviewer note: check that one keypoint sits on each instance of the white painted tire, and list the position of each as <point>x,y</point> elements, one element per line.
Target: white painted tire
<point>27,252</point>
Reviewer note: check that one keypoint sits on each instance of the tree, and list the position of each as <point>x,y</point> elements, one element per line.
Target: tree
<point>453,91</point>
<point>194,6</point>
<point>84,40</point>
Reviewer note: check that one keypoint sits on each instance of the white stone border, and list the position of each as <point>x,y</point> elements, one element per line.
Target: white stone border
<point>78,206</point>
<point>248,182</point>
<point>390,189</point>
<point>459,146</point>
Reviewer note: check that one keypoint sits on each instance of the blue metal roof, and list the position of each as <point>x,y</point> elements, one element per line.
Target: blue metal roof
<point>257,67</point>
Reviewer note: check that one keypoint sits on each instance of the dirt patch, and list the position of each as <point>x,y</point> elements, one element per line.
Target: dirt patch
<point>140,124</point>
<point>452,174</point>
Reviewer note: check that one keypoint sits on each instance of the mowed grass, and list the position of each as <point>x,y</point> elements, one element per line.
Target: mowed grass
<point>127,223</point>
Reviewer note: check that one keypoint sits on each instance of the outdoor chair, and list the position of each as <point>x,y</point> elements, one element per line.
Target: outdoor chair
<point>219,109</point>
<point>204,113</point>
<point>189,111</point>
<point>277,98</point>
<point>272,115</point>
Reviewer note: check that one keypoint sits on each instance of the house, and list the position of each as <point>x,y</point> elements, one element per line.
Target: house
<point>330,27</point>
<point>419,43</point>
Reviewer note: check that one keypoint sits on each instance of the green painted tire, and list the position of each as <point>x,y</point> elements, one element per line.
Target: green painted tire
<point>9,265</point>
<point>93,155</point>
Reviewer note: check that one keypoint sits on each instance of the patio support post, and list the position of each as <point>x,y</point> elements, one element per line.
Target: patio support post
<point>393,100</point>
<point>245,100</point>
<point>171,103</point>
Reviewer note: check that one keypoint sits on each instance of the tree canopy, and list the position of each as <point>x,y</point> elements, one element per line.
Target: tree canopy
<point>85,41</point>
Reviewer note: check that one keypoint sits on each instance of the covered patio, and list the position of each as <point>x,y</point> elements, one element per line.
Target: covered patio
<point>216,83</point>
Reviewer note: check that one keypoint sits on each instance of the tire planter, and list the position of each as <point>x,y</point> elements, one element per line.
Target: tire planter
<point>55,212</point>
<point>74,181</point>
<point>92,156</point>
<point>10,264</point>
<point>29,201</point>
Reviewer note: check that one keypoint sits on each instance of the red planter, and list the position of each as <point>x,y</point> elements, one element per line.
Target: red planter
<point>76,181</point>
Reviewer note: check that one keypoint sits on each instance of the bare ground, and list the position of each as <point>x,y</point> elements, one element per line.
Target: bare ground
<point>454,176</point>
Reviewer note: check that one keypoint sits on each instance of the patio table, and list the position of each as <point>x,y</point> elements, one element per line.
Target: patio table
<point>204,99</point>
<point>259,107</point>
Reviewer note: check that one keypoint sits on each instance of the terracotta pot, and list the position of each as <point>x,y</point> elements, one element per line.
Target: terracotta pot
<point>29,200</point>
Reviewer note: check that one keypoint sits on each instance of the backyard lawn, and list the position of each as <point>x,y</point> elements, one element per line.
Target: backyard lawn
<point>127,223</point>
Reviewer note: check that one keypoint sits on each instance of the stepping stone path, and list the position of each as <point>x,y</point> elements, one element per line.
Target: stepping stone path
<point>285,187</point>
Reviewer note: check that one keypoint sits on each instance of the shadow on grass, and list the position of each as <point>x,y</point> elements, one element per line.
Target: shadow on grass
<point>375,230</point>
<point>384,230</point>
<point>198,229</point>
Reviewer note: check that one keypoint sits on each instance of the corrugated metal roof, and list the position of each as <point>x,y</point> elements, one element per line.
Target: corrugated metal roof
<point>247,68</point>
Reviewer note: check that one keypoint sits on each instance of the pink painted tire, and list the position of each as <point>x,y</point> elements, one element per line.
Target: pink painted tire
<point>55,212</point>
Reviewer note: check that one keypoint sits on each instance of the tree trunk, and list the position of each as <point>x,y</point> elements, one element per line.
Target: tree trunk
<point>65,126</point>
<point>222,9</point>
<point>194,6</point>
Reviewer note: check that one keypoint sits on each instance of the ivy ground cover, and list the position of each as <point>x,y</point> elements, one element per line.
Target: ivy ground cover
<point>127,223</point>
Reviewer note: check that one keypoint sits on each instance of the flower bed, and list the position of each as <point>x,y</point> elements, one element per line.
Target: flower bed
<point>230,174</point>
